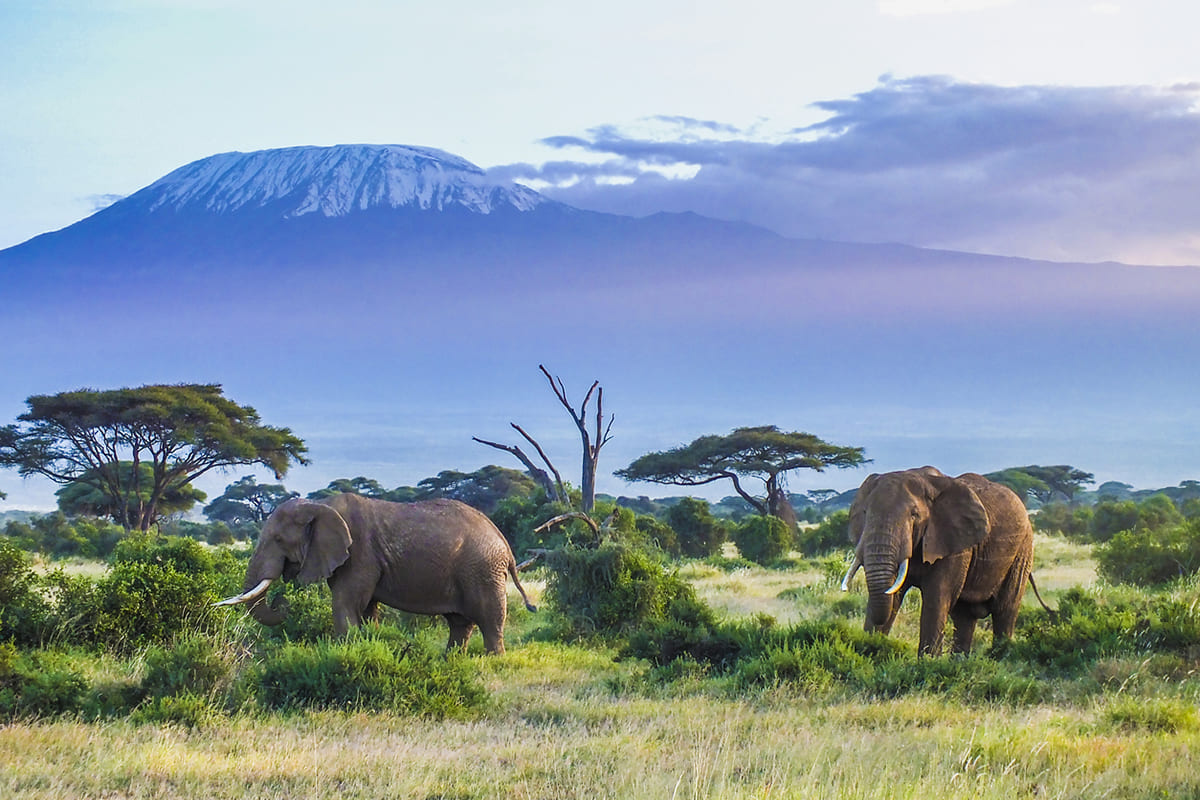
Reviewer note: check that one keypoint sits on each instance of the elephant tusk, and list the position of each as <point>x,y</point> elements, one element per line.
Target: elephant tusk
<point>851,572</point>
<point>246,597</point>
<point>900,576</point>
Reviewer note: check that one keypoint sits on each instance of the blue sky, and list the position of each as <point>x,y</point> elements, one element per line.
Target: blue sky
<point>854,120</point>
<point>1041,128</point>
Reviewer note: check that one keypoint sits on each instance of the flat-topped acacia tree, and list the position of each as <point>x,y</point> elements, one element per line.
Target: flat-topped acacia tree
<point>762,452</point>
<point>105,437</point>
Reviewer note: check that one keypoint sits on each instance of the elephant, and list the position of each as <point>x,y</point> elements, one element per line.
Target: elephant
<point>430,557</point>
<point>965,543</point>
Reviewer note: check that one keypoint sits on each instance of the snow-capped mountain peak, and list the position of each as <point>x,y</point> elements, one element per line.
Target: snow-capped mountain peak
<point>335,181</point>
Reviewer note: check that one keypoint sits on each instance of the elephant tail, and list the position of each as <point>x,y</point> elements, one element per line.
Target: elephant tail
<point>512,570</point>
<point>1038,594</point>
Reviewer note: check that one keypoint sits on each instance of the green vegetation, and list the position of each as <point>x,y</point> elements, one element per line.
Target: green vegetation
<point>678,653</point>
<point>1148,542</point>
<point>133,452</point>
<point>762,452</point>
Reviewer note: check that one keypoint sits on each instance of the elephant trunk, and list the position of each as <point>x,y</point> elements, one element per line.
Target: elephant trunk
<point>885,570</point>
<point>263,569</point>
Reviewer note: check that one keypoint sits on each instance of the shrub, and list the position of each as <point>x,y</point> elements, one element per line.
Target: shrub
<point>1074,522</point>
<point>763,539</point>
<point>369,673</point>
<point>1086,628</point>
<point>39,683</point>
<point>1158,714</point>
<point>518,516</point>
<point>186,556</point>
<point>140,603</point>
<point>190,665</point>
<point>610,590</point>
<point>187,709</point>
<point>658,534</point>
<point>1110,517</point>
<point>700,533</point>
<point>1146,558</point>
<point>22,609</point>
<point>827,536</point>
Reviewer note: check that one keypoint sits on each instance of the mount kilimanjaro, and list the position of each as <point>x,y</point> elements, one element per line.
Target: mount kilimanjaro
<point>427,291</point>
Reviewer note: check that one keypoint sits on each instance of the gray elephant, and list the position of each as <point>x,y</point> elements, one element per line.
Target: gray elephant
<point>965,542</point>
<point>434,557</point>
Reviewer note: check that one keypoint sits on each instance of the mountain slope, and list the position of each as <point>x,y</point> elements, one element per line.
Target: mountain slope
<point>333,182</point>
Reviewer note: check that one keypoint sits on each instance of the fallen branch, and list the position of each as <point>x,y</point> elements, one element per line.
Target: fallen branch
<point>534,556</point>
<point>564,517</point>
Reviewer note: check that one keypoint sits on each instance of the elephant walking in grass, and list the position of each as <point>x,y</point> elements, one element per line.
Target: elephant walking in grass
<point>965,543</point>
<point>435,557</point>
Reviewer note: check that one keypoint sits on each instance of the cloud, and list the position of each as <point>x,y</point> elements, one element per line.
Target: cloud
<point>1071,173</point>
<point>99,202</point>
<point>909,8</point>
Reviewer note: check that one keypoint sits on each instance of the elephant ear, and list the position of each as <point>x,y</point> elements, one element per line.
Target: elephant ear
<point>858,509</point>
<point>328,544</point>
<point>957,522</point>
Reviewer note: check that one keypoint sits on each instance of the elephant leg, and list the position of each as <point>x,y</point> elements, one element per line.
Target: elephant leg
<point>1006,605</point>
<point>939,592</point>
<point>934,610</point>
<point>350,607</point>
<point>493,638</point>
<point>964,629</point>
<point>461,629</point>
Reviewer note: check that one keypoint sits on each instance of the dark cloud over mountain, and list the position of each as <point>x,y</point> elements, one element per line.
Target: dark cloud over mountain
<point>1085,173</point>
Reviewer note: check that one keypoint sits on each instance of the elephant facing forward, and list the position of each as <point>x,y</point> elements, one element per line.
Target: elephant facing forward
<point>435,557</point>
<point>965,543</point>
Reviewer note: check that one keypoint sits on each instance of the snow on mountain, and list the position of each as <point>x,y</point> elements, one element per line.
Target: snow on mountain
<point>334,181</point>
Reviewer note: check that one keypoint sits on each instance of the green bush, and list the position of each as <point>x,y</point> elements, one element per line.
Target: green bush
<point>699,533</point>
<point>611,590</point>
<point>1059,518</point>
<point>39,683</point>
<point>139,604</point>
<point>1158,714</point>
<point>763,539</point>
<point>187,709</point>
<point>518,516</point>
<point>368,672</point>
<point>22,609</point>
<point>309,614</point>
<point>658,534</point>
<point>974,678</point>
<point>192,664</point>
<point>58,536</point>
<point>1087,627</point>
<point>1148,558</point>
<point>186,556</point>
<point>831,534</point>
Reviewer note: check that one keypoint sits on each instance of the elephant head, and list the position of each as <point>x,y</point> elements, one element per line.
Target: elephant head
<point>301,540</point>
<point>900,516</point>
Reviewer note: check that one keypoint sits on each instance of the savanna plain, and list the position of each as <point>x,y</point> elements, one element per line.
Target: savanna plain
<point>586,719</point>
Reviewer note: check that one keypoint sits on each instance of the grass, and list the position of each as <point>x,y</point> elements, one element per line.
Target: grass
<point>574,721</point>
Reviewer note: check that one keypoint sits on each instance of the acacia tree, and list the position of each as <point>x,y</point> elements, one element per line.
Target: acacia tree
<point>247,501</point>
<point>762,452</point>
<point>1043,483</point>
<point>181,431</point>
<point>90,495</point>
<point>592,443</point>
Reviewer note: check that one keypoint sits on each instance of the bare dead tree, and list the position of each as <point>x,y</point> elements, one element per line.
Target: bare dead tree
<point>555,489</point>
<point>592,444</point>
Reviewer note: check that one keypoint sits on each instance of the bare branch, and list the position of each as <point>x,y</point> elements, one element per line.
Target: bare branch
<point>562,489</point>
<point>569,515</point>
<point>538,473</point>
